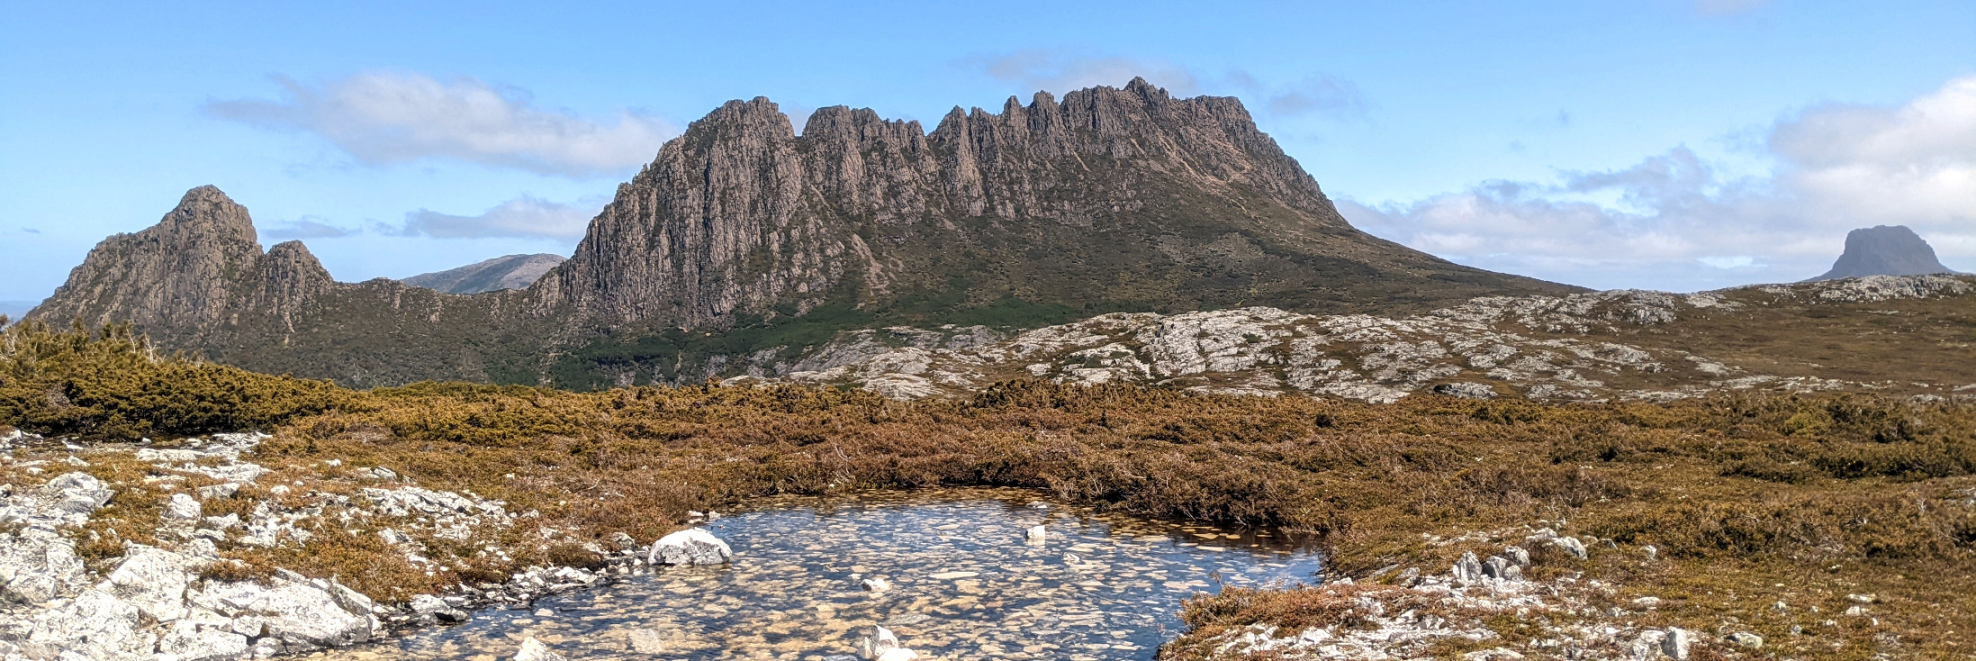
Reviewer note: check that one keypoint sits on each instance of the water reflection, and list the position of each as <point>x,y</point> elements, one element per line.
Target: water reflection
<point>965,585</point>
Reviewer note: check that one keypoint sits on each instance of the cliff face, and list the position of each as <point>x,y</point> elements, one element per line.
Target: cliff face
<point>741,229</point>
<point>1109,198</point>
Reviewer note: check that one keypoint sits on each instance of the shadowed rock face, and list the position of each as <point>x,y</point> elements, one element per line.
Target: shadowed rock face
<point>509,272</point>
<point>1884,250</point>
<point>1110,199</point>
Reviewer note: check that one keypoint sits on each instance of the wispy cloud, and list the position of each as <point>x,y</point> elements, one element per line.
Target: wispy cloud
<point>522,217</point>
<point>1838,167</point>
<point>383,118</point>
<point>307,227</point>
<point>1059,71</point>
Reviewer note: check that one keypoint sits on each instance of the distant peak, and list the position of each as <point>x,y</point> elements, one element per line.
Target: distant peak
<point>1885,250</point>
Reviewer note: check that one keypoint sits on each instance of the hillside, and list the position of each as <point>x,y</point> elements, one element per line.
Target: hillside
<point>744,244</point>
<point>505,272</point>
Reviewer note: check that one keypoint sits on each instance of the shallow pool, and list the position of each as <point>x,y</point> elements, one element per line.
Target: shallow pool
<point>965,585</point>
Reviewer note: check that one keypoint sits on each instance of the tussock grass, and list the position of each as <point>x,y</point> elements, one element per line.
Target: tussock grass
<point>1750,499</point>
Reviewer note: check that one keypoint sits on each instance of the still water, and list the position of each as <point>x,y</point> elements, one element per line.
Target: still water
<point>965,585</point>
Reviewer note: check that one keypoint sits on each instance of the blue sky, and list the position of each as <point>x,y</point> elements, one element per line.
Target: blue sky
<point>1667,144</point>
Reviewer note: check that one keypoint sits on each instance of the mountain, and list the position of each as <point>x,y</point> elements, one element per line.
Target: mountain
<point>509,272</point>
<point>1884,250</point>
<point>744,245</point>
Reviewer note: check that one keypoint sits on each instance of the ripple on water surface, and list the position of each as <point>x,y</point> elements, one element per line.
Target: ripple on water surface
<point>965,585</point>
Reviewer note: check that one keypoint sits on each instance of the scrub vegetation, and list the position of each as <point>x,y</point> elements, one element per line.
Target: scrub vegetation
<point>1749,500</point>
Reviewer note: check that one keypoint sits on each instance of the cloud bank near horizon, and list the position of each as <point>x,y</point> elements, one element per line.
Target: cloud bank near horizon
<point>388,118</point>
<point>1676,218</point>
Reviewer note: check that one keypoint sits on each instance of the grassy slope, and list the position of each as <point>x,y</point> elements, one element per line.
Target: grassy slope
<point>1750,500</point>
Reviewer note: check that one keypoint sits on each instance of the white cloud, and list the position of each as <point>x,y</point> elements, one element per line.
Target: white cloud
<point>522,217</point>
<point>307,227</point>
<point>1838,168</point>
<point>383,118</point>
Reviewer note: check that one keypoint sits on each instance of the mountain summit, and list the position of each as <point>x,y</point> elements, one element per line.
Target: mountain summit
<point>744,244</point>
<point>1884,250</point>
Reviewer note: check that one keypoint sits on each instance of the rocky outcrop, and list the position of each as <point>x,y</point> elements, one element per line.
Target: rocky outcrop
<point>1591,346</point>
<point>1108,199</point>
<point>1884,250</point>
<point>508,272</point>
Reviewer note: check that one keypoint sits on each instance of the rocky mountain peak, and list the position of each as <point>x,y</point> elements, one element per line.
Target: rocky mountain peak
<point>1884,250</point>
<point>1106,199</point>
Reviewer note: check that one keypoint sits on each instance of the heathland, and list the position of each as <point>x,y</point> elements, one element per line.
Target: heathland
<point>1832,526</point>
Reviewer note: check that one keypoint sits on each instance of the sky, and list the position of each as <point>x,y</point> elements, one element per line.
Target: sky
<point>1680,145</point>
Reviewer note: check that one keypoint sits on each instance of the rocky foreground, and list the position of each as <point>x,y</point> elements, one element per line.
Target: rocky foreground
<point>1612,345</point>
<point>174,600</point>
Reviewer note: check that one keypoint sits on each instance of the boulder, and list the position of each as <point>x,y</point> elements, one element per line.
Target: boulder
<point>692,546</point>
<point>226,490</point>
<point>76,493</point>
<point>1746,639</point>
<point>875,584</point>
<point>1571,545</point>
<point>1499,567</point>
<point>1468,569</point>
<point>188,641</point>
<point>1676,644</point>
<point>182,509</point>
<point>1036,534</point>
<point>534,650</point>
<point>299,614</point>
<point>1467,390</point>
<point>37,565</point>
<point>152,579</point>
<point>876,644</point>
<point>96,625</point>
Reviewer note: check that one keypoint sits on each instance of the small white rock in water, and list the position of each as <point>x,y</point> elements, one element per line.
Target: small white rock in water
<point>875,584</point>
<point>544,612</point>
<point>879,644</point>
<point>692,546</point>
<point>1038,505</point>
<point>1072,559</point>
<point>534,650</point>
<point>644,641</point>
<point>1035,534</point>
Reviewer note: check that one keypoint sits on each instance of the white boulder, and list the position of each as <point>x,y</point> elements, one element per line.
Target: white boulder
<point>96,626</point>
<point>152,579</point>
<point>189,641</point>
<point>37,565</point>
<point>692,546</point>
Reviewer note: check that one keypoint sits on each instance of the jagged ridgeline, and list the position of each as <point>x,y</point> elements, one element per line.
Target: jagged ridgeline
<point>744,244</point>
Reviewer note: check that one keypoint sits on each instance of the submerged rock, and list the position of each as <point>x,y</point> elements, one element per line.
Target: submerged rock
<point>645,641</point>
<point>692,546</point>
<point>534,650</point>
